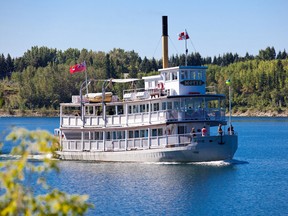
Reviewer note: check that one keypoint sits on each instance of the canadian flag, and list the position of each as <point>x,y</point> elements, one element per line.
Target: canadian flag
<point>183,36</point>
<point>78,68</point>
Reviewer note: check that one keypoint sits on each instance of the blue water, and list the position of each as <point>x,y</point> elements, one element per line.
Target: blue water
<point>254,183</point>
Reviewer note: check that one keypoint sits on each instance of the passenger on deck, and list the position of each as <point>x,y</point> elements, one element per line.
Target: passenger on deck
<point>193,132</point>
<point>231,130</point>
<point>220,131</point>
<point>204,131</point>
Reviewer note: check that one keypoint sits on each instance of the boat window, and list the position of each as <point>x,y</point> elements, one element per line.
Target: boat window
<point>164,107</point>
<point>144,133</point>
<point>154,132</point>
<point>120,134</point>
<point>98,111</point>
<point>200,75</point>
<point>174,76</point>
<point>160,132</point>
<point>192,75</point>
<point>98,136</point>
<point>114,135</point>
<point>130,134</point>
<point>89,110</point>
<point>135,109</point>
<point>176,105</point>
<point>169,105</point>
<point>157,132</point>
<point>86,136</point>
<point>136,134</point>
<point>167,76</point>
<point>110,111</point>
<point>120,109</point>
<point>108,135</point>
<point>156,107</point>
<point>147,108</point>
<point>184,75</point>
<point>181,130</point>
<point>142,108</point>
<point>129,109</point>
<point>188,103</point>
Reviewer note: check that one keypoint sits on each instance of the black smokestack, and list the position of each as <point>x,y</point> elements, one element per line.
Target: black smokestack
<point>164,26</point>
<point>165,41</point>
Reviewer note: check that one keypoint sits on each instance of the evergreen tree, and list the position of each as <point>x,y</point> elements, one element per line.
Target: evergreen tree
<point>2,66</point>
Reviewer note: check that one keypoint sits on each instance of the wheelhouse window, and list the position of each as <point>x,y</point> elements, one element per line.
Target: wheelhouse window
<point>200,75</point>
<point>184,75</point>
<point>193,75</point>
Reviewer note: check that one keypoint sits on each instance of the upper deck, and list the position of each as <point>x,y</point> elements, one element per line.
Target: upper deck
<point>177,94</point>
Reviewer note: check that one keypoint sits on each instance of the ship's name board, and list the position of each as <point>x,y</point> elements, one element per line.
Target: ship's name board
<point>192,82</point>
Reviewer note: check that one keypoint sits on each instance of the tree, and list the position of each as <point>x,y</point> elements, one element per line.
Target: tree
<point>267,54</point>
<point>2,66</point>
<point>18,199</point>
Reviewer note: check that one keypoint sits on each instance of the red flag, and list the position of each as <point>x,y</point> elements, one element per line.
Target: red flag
<point>183,36</point>
<point>78,68</point>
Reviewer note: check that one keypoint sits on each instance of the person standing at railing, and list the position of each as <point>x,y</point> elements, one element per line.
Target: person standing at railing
<point>204,131</point>
<point>231,130</point>
<point>193,134</point>
<point>220,131</point>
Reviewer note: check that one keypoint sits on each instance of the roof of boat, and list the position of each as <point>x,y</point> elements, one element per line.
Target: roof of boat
<point>184,67</point>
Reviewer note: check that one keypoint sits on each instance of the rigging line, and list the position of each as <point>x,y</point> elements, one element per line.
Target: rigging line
<point>191,41</point>
<point>193,45</point>
<point>194,48</point>
<point>173,44</point>
<point>157,47</point>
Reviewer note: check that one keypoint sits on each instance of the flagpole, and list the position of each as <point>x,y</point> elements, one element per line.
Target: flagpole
<point>228,82</point>
<point>186,50</point>
<point>86,77</point>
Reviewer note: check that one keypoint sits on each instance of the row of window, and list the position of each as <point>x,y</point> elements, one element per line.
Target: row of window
<point>184,75</point>
<point>115,135</point>
<point>184,104</point>
<point>180,104</point>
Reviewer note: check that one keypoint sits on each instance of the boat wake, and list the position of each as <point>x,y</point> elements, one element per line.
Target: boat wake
<point>221,163</point>
<point>208,163</point>
<point>38,157</point>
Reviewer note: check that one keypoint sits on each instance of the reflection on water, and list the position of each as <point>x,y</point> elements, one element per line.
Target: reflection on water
<point>152,188</point>
<point>254,183</point>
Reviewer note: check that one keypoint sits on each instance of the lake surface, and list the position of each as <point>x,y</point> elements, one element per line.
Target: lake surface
<point>254,183</point>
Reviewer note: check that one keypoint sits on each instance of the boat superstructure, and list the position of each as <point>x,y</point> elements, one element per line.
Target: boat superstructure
<point>172,119</point>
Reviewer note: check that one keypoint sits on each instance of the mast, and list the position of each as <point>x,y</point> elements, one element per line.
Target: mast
<point>186,49</point>
<point>165,41</point>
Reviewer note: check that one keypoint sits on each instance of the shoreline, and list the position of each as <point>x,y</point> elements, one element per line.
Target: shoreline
<point>55,113</point>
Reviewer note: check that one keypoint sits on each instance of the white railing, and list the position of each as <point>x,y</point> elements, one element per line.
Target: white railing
<point>129,144</point>
<point>114,120</point>
<point>144,118</point>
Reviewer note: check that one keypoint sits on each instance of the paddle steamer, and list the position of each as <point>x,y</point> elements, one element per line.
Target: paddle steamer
<point>172,119</point>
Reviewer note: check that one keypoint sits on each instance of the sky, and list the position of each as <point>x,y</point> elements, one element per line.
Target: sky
<point>215,27</point>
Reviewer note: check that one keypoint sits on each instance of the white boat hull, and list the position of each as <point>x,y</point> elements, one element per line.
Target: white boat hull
<point>211,149</point>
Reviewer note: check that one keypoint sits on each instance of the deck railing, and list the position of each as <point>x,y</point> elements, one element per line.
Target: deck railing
<point>126,145</point>
<point>143,118</point>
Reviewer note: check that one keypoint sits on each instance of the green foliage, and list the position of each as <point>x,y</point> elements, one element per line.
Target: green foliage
<point>40,79</point>
<point>18,198</point>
